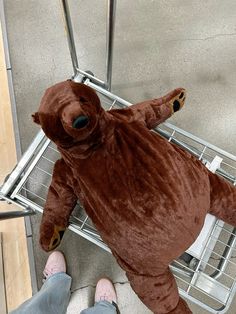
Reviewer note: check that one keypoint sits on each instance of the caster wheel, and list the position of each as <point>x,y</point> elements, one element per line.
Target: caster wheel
<point>89,72</point>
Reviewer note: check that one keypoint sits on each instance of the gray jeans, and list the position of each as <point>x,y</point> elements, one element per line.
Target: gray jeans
<point>54,297</point>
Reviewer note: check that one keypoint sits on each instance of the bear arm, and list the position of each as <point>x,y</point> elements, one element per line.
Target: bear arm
<point>156,111</point>
<point>60,202</point>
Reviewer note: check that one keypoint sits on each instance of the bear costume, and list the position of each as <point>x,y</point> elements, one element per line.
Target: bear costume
<point>147,197</point>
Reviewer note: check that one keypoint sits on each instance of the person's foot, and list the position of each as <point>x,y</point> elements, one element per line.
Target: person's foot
<point>105,291</point>
<point>55,264</point>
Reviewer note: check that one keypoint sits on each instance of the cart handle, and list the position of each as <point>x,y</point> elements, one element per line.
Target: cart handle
<point>28,211</point>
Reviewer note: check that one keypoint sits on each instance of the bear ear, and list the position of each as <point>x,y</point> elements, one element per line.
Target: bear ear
<point>35,117</point>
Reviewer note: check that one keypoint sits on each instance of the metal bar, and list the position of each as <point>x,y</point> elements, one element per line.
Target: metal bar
<point>10,81</point>
<point>111,13</point>
<point>4,33</point>
<point>230,299</point>
<point>31,167</point>
<point>55,150</point>
<point>225,256</point>
<point>14,115</point>
<point>200,141</point>
<point>70,36</point>
<point>177,142</point>
<point>181,269</point>
<point>89,76</point>
<point>185,270</point>
<point>203,152</point>
<point>215,267</point>
<point>16,173</point>
<point>84,222</point>
<point>211,287</point>
<point>112,105</point>
<point>39,197</point>
<point>44,171</point>
<point>214,296</point>
<point>199,264</point>
<point>221,242</point>
<point>223,229</point>
<point>228,165</point>
<point>83,225</point>
<point>11,201</point>
<point>17,214</point>
<point>27,202</point>
<point>32,265</point>
<point>53,162</point>
<point>108,94</point>
<point>35,182</point>
<point>185,295</point>
<point>227,176</point>
<point>82,233</point>
<point>171,137</point>
<point>106,102</point>
<point>220,256</point>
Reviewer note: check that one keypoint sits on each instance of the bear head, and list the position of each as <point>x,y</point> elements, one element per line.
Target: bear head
<point>69,112</point>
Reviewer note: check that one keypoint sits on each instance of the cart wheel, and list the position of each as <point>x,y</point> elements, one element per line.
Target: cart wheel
<point>89,72</point>
<point>85,78</point>
<point>193,263</point>
<point>186,258</point>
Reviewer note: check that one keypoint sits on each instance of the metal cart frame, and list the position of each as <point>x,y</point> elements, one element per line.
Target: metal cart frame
<point>206,276</point>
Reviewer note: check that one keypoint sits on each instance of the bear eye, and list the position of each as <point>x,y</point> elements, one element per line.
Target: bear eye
<point>82,99</point>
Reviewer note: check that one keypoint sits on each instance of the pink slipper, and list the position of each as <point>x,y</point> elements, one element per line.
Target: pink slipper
<point>105,291</point>
<point>55,264</point>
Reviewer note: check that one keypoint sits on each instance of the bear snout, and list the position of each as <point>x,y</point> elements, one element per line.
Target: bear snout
<point>80,122</point>
<point>71,113</point>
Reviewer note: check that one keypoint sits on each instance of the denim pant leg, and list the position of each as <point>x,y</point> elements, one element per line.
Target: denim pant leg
<point>102,307</point>
<point>53,297</point>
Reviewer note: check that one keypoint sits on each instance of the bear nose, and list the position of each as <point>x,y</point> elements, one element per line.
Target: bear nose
<point>80,122</point>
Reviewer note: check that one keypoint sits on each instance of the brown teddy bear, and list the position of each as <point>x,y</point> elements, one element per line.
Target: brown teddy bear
<point>147,198</point>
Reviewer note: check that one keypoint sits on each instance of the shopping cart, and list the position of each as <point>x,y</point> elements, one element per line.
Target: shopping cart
<point>206,272</point>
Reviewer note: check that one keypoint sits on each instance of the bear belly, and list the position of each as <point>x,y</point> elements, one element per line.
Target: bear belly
<point>145,196</point>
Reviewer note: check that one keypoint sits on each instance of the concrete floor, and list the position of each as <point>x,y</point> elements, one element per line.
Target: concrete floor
<point>159,45</point>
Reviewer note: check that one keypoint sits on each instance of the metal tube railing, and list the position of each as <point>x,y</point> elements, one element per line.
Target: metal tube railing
<point>70,36</point>
<point>17,214</point>
<point>111,12</point>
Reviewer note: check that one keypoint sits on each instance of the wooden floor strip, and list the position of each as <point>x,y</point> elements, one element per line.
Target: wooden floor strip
<point>14,244</point>
<point>3,301</point>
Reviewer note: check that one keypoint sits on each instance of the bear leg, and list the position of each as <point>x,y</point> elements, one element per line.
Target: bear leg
<point>159,293</point>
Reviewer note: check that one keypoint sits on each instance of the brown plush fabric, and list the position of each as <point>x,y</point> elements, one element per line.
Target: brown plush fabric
<point>147,198</point>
